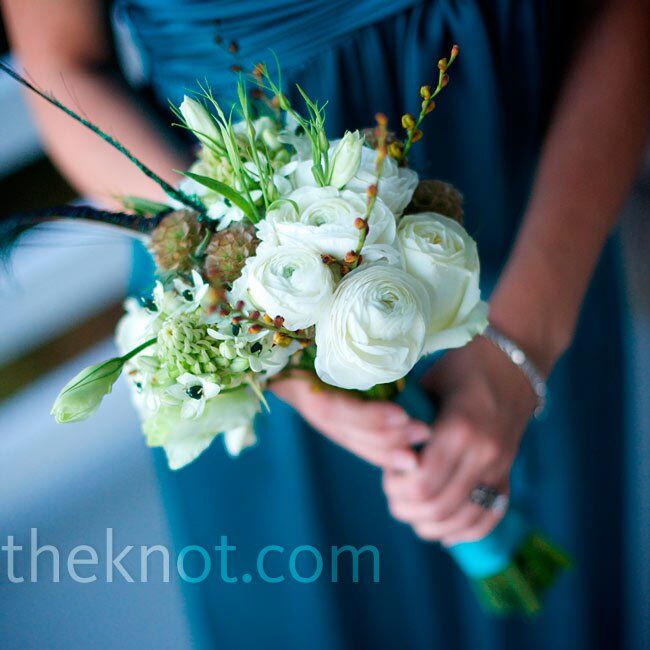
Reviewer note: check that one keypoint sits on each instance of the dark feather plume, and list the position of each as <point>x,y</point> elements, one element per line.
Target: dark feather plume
<point>12,228</point>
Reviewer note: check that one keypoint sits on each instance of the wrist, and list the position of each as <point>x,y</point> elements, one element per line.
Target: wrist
<point>531,305</point>
<point>530,318</point>
<point>522,362</point>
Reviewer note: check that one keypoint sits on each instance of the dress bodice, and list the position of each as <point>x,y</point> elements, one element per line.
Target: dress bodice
<point>371,55</point>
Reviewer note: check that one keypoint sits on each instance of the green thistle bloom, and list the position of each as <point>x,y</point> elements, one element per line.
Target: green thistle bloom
<point>184,345</point>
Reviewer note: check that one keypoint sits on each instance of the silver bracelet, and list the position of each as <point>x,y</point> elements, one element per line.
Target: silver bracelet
<point>519,358</point>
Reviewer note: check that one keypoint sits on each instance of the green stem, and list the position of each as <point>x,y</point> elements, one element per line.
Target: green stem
<point>146,344</point>
<point>425,108</point>
<point>372,199</point>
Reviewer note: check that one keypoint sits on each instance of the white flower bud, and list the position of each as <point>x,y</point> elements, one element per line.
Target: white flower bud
<point>83,394</point>
<point>345,159</point>
<point>199,121</point>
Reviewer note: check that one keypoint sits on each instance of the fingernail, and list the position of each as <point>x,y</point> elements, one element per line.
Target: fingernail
<point>404,461</point>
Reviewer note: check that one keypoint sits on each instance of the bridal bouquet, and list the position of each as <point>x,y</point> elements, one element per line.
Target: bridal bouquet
<point>283,250</point>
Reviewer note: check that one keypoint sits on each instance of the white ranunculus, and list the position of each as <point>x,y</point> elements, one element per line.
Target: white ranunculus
<point>385,253</point>
<point>396,184</point>
<point>288,281</point>
<point>322,218</point>
<point>184,440</point>
<point>302,175</point>
<point>294,136</point>
<point>439,252</point>
<point>199,121</point>
<point>375,329</point>
<point>345,159</point>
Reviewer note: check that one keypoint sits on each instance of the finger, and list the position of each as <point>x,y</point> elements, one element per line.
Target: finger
<point>438,462</point>
<point>357,414</point>
<point>481,527</point>
<point>403,459</point>
<point>397,456</point>
<point>418,512</point>
<point>480,464</point>
<point>347,420</point>
<point>464,518</point>
<point>419,485</point>
<point>414,432</point>
<point>478,530</point>
<point>320,404</point>
<point>451,522</point>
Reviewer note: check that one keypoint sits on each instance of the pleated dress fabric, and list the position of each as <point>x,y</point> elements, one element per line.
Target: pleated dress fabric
<point>297,488</point>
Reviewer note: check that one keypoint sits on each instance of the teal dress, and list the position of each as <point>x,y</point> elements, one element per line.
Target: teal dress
<point>296,488</point>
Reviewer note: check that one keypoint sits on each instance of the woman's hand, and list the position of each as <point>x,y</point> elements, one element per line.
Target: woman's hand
<point>486,402</point>
<point>379,432</point>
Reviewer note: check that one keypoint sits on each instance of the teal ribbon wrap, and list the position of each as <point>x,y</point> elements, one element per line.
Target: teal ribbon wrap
<point>488,556</point>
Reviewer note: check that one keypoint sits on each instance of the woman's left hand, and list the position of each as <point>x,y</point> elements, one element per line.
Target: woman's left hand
<point>485,405</point>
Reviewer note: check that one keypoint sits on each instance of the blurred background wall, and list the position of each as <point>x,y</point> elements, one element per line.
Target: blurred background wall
<point>70,483</point>
<point>73,482</point>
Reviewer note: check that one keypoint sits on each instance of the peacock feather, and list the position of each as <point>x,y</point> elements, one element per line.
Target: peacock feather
<point>13,227</point>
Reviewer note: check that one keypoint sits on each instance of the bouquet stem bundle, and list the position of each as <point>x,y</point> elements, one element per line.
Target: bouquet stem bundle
<point>536,565</point>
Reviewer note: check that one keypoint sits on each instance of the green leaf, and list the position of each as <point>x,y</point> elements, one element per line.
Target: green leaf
<point>228,192</point>
<point>143,206</point>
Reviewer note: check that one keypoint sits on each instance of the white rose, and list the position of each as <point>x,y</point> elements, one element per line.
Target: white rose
<point>375,330</point>
<point>322,218</point>
<point>184,440</point>
<point>345,159</point>
<point>199,121</point>
<point>439,252</point>
<point>288,281</point>
<point>396,184</point>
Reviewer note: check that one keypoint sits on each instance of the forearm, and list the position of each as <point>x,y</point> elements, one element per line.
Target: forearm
<point>90,164</point>
<point>588,163</point>
<point>65,49</point>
